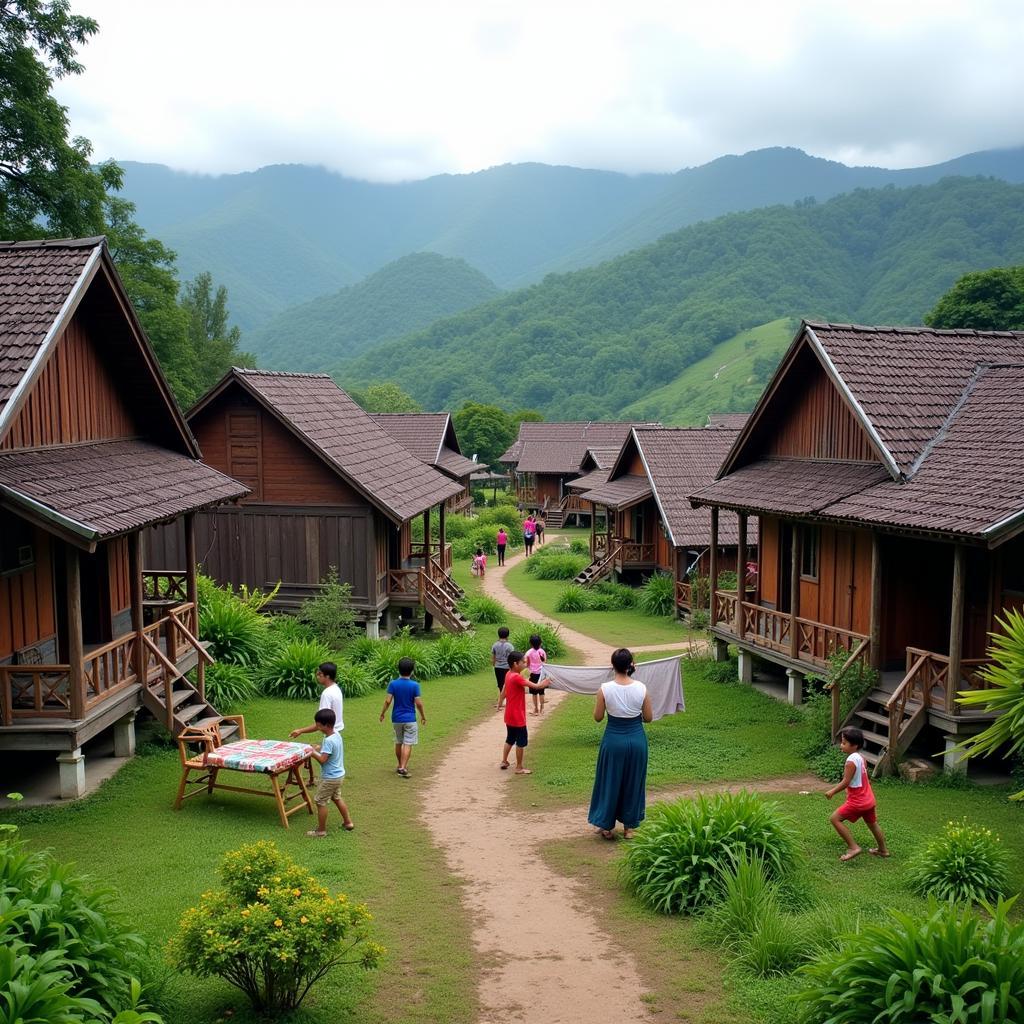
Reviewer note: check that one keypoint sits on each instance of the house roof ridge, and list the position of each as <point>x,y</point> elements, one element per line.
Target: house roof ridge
<point>965,332</point>
<point>255,371</point>
<point>55,243</point>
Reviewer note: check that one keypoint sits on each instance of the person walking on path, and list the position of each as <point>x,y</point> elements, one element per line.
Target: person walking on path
<point>405,692</point>
<point>620,781</point>
<point>535,658</point>
<point>502,543</point>
<point>529,532</point>
<point>499,659</point>
<point>514,695</point>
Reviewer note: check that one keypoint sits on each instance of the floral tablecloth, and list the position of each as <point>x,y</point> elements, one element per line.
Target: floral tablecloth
<point>270,756</point>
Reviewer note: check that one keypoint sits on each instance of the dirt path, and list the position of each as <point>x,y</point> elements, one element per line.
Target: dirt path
<point>545,957</point>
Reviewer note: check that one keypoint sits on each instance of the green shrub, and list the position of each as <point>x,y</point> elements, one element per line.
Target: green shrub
<point>550,639</point>
<point>235,632</point>
<point>383,666</point>
<point>775,946</point>
<point>229,687</point>
<point>578,546</point>
<point>746,896</point>
<point>501,514</point>
<point>273,931</point>
<point>561,565</point>
<point>828,764</point>
<point>330,614</point>
<point>613,597</point>
<point>362,649</point>
<point>458,526</point>
<point>853,684</point>
<point>700,619</point>
<point>290,671</point>
<point>355,679</point>
<point>951,966</point>
<point>727,580</point>
<point>458,654</point>
<point>966,862</point>
<point>573,599</point>
<point>679,857</point>
<point>65,954</point>
<point>283,629</point>
<point>658,595</point>
<point>484,610</point>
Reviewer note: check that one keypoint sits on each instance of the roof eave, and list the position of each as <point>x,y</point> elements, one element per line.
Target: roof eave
<point>72,530</point>
<point>654,488</point>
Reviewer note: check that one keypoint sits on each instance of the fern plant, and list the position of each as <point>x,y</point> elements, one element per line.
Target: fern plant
<point>291,671</point>
<point>658,596</point>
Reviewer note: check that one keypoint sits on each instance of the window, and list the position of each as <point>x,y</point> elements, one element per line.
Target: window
<point>810,538</point>
<point>16,551</point>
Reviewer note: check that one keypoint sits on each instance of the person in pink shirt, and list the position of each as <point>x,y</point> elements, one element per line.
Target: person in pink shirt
<point>529,532</point>
<point>535,658</point>
<point>501,541</point>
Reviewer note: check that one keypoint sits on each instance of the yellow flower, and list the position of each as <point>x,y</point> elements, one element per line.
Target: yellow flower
<point>278,923</point>
<point>303,919</point>
<point>245,913</point>
<point>296,892</point>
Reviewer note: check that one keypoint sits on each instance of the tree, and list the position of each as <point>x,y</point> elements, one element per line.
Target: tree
<point>214,345</point>
<point>986,300</point>
<point>388,397</point>
<point>47,184</point>
<point>484,430</point>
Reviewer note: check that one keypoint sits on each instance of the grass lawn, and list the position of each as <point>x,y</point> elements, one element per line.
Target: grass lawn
<point>729,731</point>
<point>684,972</point>
<point>627,628</point>
<point>159,861</point>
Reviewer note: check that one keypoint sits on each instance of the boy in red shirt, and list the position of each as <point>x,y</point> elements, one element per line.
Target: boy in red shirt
<point>514,695</point>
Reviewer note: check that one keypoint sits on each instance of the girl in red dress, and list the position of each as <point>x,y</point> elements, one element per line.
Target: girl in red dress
<point>860,800</point>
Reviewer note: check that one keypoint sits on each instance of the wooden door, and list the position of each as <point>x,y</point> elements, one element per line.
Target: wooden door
<point>844,579</point>
<point>245,452</point>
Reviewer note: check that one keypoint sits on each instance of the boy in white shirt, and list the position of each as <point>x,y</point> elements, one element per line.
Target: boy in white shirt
<point>331,699</point>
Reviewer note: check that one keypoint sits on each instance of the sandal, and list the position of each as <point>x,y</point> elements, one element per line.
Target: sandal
<point>523,771</point>
<point>607,833</point>
<point>503,765</point>
<point>349,826</point>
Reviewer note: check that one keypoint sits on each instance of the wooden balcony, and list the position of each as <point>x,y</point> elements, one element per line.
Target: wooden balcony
<point>630,554</point>
<point>56,694</point>
<point>441,557</point>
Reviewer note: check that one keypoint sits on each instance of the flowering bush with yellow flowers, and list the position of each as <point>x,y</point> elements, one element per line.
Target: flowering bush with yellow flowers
<point>966,863</point>
<point>273,930</point>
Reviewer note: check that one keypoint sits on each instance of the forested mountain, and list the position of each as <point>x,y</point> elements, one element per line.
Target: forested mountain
<point>407,295</point>
<point>591,343</point>
<point>286,234</point>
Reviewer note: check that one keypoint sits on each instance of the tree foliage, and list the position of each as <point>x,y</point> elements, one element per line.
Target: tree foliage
<point>386,397</point>
<point>487,430</point>
<point>986,300</point>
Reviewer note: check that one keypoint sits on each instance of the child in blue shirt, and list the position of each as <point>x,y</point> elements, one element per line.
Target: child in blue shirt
<point>331,755</point>
<point>405,692</point>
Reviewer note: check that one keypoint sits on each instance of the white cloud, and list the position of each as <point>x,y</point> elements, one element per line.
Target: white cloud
<point>389,90</point>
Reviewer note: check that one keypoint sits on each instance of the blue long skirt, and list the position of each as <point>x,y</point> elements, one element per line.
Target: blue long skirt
<point>620,783</point>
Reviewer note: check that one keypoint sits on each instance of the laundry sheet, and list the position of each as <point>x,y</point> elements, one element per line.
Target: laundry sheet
<point>663,679</point>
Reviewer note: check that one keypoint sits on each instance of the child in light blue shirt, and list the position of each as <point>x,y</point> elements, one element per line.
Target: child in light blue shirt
<point>331,755</point>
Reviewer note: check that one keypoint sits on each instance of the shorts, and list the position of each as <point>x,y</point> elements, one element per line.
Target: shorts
<point>499,675</point>
<point>406,733</point>
<point>326,791</point>
<point>535,678</point>
<point>851,814</point>
<point>515,735</point>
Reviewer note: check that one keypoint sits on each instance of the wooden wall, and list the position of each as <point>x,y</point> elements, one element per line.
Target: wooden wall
<point>75,398</point>
<point>841,594</point>
<point>120,580</point>
<point>768,555</point>
<point>27,610</point>
<point>548,486</point>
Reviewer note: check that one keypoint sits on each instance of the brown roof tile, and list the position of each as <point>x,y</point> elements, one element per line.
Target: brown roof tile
<point>729,420</point>
<point>590,480</point>
<point>621,492</point>
<point>576,437</point>
<point>36,279</point>
<point>351,441</point>
<point>428,435</point>
<point>113,487</point>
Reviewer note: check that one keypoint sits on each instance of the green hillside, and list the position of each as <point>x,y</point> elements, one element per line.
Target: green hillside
<point>404,296</point>
<point>591,343</point>
<point>730,379</point>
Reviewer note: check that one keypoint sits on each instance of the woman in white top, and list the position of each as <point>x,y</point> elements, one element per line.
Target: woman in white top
<point>620,782</point>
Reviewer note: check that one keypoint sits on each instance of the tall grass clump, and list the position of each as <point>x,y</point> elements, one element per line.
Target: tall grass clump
<point>550,639</point>
<point>362,649</point>
<point>458,654</point>
<point>383,666</point>
<point>229,687</point>
<point>966,863</point>
<point>579,547</point>
<point>573,598</point>
<point>236,632</point>
<point>483,610</point>
<point>355,679</point>
<point>613,597</point>
<point>290,671</point>
<point>658,595</point>
<point>952,966</point>
<point>680,856</point>
<point>559,565</point>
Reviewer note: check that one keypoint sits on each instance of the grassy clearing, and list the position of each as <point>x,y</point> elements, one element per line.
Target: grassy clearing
<point>159,860</point>
<point>687,977</point>
<point>730,731</point>
<point>625,628</point>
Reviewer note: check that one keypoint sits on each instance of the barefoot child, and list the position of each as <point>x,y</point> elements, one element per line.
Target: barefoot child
<point>331,755</point>
<point>535,658</point>
<point>514,694</point>
<point>499,659</point>
<point>405,692</point>
<point>860,800</point>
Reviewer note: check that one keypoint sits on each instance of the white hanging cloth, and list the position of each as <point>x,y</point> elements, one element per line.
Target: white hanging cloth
<point>663,679</point>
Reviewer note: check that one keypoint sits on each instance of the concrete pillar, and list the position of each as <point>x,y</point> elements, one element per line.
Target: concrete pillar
<point>719,650</point>
<point>746,666</point>
<point>72,774</point>
<point>124,736</point>
<point>373,628</point>
<point>794,686</point>
<point>954,761</point>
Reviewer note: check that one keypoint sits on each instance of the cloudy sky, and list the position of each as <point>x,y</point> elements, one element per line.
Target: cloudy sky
<point>391,90</point>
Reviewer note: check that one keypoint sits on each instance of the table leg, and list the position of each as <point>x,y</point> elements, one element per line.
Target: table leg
<point>280,801</point>
<point>302,789</point>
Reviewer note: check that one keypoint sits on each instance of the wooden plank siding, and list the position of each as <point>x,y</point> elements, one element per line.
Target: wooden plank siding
<point>75,398</point>
<point>549,485</point>
<point>120,579</point>
<point>27,609</point>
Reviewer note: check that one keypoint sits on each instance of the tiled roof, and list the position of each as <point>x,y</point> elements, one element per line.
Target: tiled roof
<point>908,379</point>
<point>576,436</point>
<point>728,420</point>
<point>604,458</point>
<point>971,479</point>
<point>425,434</point>
<point>36,278</point>
<point>590,480</point>
<point>790,486</point>
<point>680,461</point>
<point>620,492</point>
<point>351,441</point>
<point>113,487</point>
<point>456,465</point>
<point>550,457</point>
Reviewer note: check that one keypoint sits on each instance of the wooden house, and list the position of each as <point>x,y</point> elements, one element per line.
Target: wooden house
<point>649,524</point>
<point>330,488</point>
<point>546,457</point>
<point>430,436</point>
<point>93,450</point>
<point>886,471</point>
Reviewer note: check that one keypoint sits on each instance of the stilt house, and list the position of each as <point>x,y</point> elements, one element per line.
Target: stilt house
<point>330,489</point>
<point>649,524</point>
<point>430,436</point>
<point>886,471</point>
<point>93,449</point>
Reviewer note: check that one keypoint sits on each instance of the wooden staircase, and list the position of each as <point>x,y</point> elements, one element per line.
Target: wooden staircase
<point>440,595</point>
<point>599,569</point>
<point>554,518</point>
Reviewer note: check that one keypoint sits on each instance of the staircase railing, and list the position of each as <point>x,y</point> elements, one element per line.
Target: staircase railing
<point>857,655</point>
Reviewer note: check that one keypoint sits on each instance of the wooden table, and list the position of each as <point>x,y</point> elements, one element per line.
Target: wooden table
<point>280,761</point>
